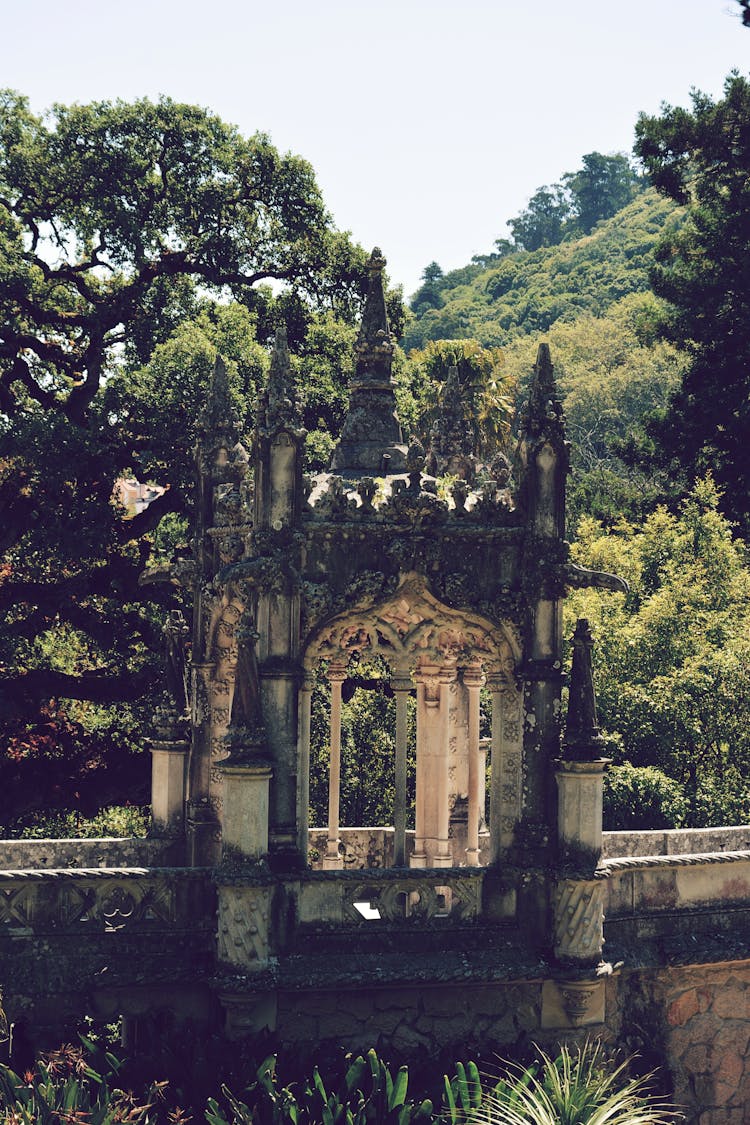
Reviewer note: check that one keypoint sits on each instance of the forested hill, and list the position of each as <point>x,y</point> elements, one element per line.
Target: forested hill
<point>498,298</point>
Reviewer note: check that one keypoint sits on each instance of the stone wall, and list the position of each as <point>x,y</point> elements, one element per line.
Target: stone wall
<point>676,841</point>
<point>37,855</point>
<point>694,1022</point>
<point>474,1020</point>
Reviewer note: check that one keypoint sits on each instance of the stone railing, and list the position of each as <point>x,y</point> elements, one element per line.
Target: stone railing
<point>356,898</point>
<point>648,885</point>
<point>103,900</point>
<point>676,841</point>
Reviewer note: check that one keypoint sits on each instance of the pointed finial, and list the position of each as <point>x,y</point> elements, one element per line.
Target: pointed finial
<point>374,344</point>
<point>543,413</point>
<point>218,417</point>
<point>582,741</point>
<point>278,402</point>
<point>280,374</point>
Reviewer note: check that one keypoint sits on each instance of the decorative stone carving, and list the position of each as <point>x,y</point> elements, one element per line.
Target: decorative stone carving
<point>579,920</point>
<point>418,898</point>
<point>412,626</point>
<point>243,926</point>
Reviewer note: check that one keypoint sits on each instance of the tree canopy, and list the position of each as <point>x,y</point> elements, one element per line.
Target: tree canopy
<point>701,158</point>
<point>136,241</point>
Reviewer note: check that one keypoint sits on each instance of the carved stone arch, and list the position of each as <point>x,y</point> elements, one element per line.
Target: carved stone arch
<point>416,627</point>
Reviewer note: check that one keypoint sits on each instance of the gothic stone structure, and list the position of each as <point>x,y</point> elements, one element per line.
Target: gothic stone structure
<point>458,932</point>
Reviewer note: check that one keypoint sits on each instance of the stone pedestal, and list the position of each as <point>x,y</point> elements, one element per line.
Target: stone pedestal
<point>245,828</point>
<point>168,784</point>
<point>580,787</point>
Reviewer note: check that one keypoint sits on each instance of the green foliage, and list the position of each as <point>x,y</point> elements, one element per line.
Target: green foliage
<point>118,821</point>
<point>64,1088</point>
<point>485,390</point>
<point>702,159</point>
<point>529,291</point>
<point>673,655</point>
<point>642,797</point>
<point>369,1093</point>
<point>578,1087</point>
<point>610,374</point>
<point>462,1094</point>
<point>125,229</point>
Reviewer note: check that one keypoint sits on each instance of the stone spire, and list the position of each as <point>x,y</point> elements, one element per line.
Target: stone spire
<point>542,454</point>
<point>218,424</point>
<point>451,438</point>
<point>583,741</point>
<point>371,440</point>
<point>278,402</point>
<point>543,415</point>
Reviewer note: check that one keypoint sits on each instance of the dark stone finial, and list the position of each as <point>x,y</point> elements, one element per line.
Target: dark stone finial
<point>374,344</point>
<point>280,405</point>
<point>218,418</point>
<point>543,415</point>
<point>371,431</point>
<point>415,457</point>
<point>582,741</point>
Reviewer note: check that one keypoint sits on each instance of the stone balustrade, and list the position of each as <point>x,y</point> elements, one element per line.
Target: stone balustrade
<point>101,900</point>
<point>356,899</point>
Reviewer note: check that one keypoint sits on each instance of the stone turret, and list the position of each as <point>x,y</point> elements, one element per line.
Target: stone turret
<point>371,440</point>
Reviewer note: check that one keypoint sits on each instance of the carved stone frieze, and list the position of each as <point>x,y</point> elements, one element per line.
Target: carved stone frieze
<point>418,899</point>
<point>413,627</point>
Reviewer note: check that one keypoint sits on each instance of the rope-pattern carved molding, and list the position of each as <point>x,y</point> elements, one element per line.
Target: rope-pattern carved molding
<point>643,862</point>
<point>40,874</point>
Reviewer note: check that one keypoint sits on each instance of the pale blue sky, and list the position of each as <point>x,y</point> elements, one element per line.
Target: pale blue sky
<point>429,123</point>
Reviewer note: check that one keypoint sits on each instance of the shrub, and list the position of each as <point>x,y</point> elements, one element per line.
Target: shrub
<point>642,797</point>
<point>68,824</point>
<point>578,1087</point>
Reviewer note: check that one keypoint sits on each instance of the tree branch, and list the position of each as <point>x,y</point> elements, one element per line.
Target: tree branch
<point>100,686</point>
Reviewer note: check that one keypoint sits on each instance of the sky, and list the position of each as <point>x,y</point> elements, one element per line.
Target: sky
<point>429,123</point>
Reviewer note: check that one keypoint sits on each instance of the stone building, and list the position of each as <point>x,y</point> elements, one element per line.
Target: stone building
<point>468,930</point>
<point>299,577</point>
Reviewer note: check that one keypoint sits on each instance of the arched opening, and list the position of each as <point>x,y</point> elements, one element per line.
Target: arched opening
<point>441,658</point>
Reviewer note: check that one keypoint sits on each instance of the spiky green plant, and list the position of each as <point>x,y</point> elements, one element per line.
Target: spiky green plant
<point>576,1088</point>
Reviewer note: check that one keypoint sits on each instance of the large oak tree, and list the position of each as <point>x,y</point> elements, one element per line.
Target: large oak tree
<point>121,225</point>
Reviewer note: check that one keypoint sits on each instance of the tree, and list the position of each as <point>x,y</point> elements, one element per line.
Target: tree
<point>673,655</point>
<point>482,383</point>
<point>601,188</point>
<point>117,222</point>
<point>702,159</point>
<point>545,220</point>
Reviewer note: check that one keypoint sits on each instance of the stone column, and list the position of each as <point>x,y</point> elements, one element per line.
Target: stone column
<point>443,855</point>
<point>432,846</point>
<point>401,686</point>
<point>331,860</point>
<point>473,680</point>
<point>496,778</point>
<point>304,703</point>
<point>169,757</point>
<point>579,895</point>
<point>203,829</point>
